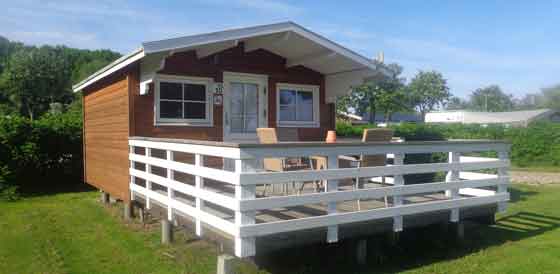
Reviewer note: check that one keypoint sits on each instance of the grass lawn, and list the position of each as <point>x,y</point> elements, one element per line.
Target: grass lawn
<point>73,233</point>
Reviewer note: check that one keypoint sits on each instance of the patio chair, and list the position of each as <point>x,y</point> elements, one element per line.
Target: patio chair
<point>372,135</point>
<point>270,136</point>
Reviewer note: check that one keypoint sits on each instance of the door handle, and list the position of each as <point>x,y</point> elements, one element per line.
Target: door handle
<point>226,118</point>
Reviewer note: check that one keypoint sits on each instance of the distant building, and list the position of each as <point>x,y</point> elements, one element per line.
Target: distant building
<point>511,118</point>
<point>398,117</point>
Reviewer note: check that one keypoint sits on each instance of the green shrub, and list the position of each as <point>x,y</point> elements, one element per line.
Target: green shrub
<point>40,153</point>
<point>536,145</point>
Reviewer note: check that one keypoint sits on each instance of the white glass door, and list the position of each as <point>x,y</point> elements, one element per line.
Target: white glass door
<point>245,100</point>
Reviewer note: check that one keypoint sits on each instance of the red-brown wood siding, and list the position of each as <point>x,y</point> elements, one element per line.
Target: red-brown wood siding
<point>106,131</point>
<point>233,60</point>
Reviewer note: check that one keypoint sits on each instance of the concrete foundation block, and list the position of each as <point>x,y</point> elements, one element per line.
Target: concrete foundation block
<point>225,264</point>
<point>460,230</point>
<point>361,252</point>
<point>104,197</point>
<point>166,231</point>
<point>127,211</point>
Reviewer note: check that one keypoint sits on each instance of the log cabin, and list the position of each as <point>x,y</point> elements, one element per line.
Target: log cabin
<point>174,125</point>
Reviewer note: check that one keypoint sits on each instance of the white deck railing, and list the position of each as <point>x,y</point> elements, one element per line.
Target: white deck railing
<point>463,186</point>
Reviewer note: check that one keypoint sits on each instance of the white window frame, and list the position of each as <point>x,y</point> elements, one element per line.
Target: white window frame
<point>207,82</point>
<point>314,90</point>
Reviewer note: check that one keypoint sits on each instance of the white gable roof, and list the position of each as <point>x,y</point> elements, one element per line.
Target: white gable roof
<point>471,117</point>
<point>289,40</point>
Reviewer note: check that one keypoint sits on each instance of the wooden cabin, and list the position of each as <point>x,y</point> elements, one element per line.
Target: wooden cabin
<point>173,124</point>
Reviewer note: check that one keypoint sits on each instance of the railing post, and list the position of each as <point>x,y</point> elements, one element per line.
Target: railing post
<point>453,175</point>
<point>398,200</point>
<point>170,194</point>
<point>244,246</point>
<point>502,172</point>
<point>199,184</point>
<point>131,150</point>
<point>332,185</point>
<point>148,183</point>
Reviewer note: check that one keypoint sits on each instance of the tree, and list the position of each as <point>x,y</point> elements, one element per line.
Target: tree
<point>36,78</point>
<point>457,103</point>
<point>492,99</point>
<point>551,97</point>
<point>428,90</point>
<point>382,91</point>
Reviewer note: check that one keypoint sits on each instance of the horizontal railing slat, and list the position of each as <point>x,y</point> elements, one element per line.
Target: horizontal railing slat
<point>210,219</point>
<point>209,196</point>
<point>205,172</point>
<point>368,149</point>
<point>342,173</point>
<point>226,152</point>
<point>371,193</point>
<point>360,216</point>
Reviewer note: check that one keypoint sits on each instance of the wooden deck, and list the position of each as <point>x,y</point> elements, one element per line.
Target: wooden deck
<point>230,199</point>
<point>287,240</point>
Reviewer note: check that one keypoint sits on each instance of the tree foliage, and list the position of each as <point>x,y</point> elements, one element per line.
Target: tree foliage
<point>381,92</point>
<point>492,99</point>
<point>34,80</point>
<point>428,90</point>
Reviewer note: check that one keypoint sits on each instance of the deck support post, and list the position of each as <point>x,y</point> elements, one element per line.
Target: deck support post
<point>199,184</point>
<point>502,172</point>
<point>127,211</point>
<point>393,238</point>
<point>166,231</point>
<point>459,228</point>
<point>104,197</point>
<point>225,264</point>
<point>332,185</point>
<point>361,252</point>
<point>245,246</point>
<point>398,200</point>
<point>453,175</point>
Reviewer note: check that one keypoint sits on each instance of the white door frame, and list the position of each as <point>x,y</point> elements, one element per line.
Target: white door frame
<point>262,82</point>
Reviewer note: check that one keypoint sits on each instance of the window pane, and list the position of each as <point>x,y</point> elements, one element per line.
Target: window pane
<point>236,124</point>
<point>170,91</point>
<point>170,109</point>
<point>195,110</point>
<point>251,122</point>
<point>237,98</point>
<point>305,106</point>
<point>287,113</point>
<point>251,102</point>
<point>287,97</point>
<point>195,92</point>
<point>305,97</point>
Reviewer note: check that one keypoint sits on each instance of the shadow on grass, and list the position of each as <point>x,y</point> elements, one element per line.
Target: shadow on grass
<point>416,247</point>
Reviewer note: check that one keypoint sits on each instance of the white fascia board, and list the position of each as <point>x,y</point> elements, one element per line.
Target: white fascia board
<point>191,42</point>
<point>110,69</point>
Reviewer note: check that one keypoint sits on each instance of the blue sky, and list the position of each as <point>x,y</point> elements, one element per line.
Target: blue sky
<point>514,44</point>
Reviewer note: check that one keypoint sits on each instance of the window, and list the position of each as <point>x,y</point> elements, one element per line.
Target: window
<point>183,100</point>
<point>298,105</point>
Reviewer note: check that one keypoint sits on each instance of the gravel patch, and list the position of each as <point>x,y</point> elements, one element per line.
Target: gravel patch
<point>535,178</point>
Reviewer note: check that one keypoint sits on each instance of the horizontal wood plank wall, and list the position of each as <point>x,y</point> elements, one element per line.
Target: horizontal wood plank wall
<point>106,131</point>
<point>235,60</point>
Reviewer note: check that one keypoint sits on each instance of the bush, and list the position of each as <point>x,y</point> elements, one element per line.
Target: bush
<point>34,154</point>
<point>536,145</point>
<point>408,132</point>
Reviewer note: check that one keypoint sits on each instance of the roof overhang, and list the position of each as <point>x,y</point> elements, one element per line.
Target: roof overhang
<point>342,67</point>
